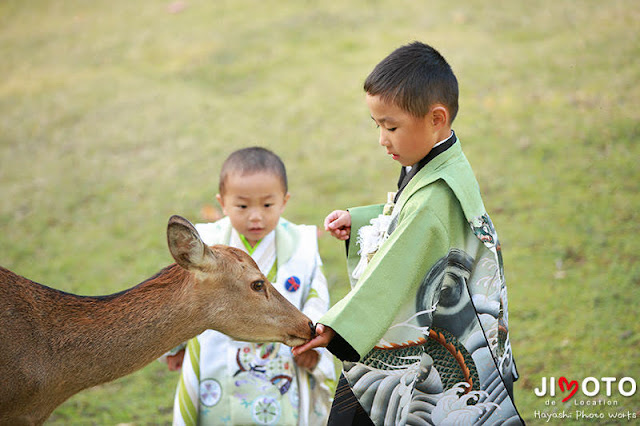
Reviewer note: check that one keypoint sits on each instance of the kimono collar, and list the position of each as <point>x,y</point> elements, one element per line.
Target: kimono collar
<point>263,253</point>
<point>439,148</point>
<point>286,241</point>
<point>452,167</point>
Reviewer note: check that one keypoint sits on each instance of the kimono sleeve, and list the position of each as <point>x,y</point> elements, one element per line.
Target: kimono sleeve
<point>316,305</point>
<point>360,216</point>
<point>186,401</point>
<point>393,275</point>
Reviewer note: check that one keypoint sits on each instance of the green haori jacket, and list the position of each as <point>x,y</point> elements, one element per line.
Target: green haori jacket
<point>429,315</point>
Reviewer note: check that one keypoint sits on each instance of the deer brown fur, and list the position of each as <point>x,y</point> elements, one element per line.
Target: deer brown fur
<point>54,344</point>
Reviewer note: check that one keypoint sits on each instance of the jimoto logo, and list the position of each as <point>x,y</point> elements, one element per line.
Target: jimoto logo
<point>590,387</point>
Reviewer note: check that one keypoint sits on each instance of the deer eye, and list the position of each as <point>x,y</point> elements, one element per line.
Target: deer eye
<point>257,285</point>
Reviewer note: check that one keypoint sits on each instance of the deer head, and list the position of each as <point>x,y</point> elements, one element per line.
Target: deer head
<point>245,305</point>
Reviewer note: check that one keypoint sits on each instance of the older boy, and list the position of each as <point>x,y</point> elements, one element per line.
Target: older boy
<point>423,332</point>
<point>229,382</point>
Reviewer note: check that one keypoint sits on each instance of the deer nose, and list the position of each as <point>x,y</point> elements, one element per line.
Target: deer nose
<point>313,328</point>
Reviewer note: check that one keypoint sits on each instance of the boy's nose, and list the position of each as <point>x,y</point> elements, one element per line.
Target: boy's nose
<point>254,215</point>
<point>383,139</point>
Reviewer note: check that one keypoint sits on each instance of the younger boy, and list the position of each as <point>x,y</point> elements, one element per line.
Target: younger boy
<point>229,382</point>
<point>423,332</point>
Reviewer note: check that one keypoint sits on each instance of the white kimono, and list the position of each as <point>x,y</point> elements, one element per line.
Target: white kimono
<point>224,381</point>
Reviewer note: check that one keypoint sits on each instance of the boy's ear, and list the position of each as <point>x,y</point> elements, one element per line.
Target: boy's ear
<point>284,202</point>
<point>439,116</point>
<point>221,202</point>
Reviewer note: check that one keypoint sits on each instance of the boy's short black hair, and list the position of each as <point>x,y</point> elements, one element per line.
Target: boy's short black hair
<point>415,77</point>
<point>253,160</point>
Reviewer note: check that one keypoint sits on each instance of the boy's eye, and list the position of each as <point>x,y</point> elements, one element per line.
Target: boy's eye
<point>388,129</point>
<point>268,205</point>
<point>241,206</point>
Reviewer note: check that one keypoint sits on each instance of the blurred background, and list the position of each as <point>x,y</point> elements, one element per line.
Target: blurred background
<point>114,115</point>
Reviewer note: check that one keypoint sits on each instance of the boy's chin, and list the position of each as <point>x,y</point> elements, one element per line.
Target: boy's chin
<point>254,236</point>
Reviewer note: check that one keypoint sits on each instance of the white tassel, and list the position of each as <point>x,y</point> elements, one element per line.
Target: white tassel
<point>370,238</point>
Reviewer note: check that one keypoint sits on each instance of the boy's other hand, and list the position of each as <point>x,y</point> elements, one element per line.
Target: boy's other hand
<point>307,360</point>
<point>324,334</point>
<point>174,362</point>
<point>338,224</point>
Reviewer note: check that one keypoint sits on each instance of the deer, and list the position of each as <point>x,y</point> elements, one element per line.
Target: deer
<point>54,344</point>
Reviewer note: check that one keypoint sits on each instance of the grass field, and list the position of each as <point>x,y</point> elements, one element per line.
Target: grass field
<point>115,115</point>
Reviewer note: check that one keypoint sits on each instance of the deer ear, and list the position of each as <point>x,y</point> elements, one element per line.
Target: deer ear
<point>185,244</point>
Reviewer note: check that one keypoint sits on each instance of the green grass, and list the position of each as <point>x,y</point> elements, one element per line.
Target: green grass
<point>115,115</point>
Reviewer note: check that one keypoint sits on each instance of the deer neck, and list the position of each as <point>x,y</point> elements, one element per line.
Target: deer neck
<point>127,330</point>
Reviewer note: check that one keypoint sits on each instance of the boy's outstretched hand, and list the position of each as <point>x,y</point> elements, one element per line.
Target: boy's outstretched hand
<point>324,334</point>
<point>338,223</point>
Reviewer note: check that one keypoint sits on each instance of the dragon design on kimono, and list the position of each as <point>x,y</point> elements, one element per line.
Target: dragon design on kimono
<point>443,351</point>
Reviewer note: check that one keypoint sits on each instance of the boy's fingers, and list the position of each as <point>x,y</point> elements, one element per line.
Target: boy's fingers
<point>337,219</point>
<point>330,221</point>
<point>341,234</point>
<point>339,222</point>
<point>313,343</point>
<point>327,221</point>
<point>299,350</point>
